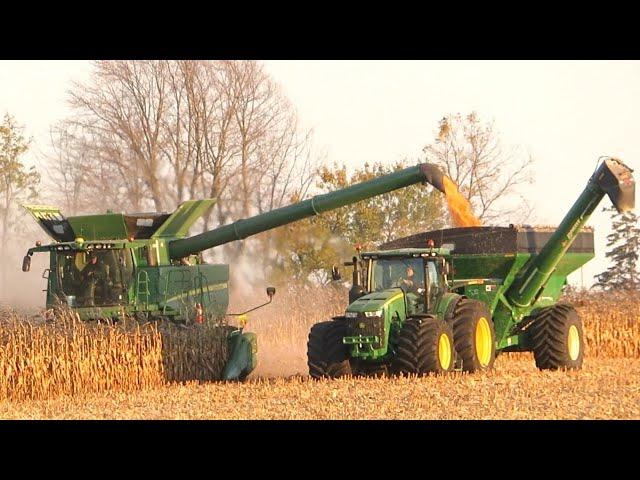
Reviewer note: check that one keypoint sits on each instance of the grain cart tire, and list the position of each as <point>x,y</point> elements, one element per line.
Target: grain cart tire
<point>327,356</point>
<point>557,338</point>
<point>474,336</point>
<point>425,345</point>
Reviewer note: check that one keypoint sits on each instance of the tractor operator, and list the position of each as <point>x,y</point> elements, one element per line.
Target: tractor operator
<point>94,273</point>
<point>410,283</point>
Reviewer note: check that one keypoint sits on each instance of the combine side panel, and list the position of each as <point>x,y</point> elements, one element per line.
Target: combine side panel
<point>182,287</point>
<point>178,224</point>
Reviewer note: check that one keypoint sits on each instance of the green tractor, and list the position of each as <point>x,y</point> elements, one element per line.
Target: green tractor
<point>454,298</point>
<point>143,265</point>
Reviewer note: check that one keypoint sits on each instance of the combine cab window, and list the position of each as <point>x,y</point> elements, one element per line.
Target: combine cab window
<point>101,278</point>
<point>390,272</point>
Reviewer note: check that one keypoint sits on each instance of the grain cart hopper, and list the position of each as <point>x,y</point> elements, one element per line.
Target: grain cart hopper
<point>431,301</point>
<point>143,265</point>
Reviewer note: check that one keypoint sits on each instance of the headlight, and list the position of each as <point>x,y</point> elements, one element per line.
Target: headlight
<point>351,314</point>
<point>377,313</point>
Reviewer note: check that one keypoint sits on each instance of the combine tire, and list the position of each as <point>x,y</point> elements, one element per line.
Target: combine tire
<point>425,345</point>
<point>557,338</point>
<point>473,335</point>
<point>327,356</point>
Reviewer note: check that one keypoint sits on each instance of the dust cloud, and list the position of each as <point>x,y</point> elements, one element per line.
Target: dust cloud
<point>283,326</point>
<point>23,291</point>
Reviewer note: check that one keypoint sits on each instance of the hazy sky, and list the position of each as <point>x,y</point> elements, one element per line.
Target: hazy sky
<point>566,114</point>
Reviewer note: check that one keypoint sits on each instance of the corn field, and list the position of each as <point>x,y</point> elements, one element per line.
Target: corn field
<point>70,357</point>
<point>611,324</point>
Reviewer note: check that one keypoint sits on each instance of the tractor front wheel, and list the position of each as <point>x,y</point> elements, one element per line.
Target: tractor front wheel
<point>327,356</point>
<point>425,345</point>
<point>557,338</point>
<point>474,336</point>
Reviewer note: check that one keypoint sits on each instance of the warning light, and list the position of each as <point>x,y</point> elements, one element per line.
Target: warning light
<point>199,313</point>
<point>431,243</point>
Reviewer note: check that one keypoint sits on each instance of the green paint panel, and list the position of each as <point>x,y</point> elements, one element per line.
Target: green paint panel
<point>109,226</point>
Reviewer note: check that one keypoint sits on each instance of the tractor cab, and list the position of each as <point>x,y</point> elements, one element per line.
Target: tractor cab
<point>421,274</point>
<point>390,287</point>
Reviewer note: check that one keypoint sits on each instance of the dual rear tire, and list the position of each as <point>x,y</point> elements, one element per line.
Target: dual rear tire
<point>425,345</point>
<point>557,338</point>
<point>471,342</point>
<point>474,336</point>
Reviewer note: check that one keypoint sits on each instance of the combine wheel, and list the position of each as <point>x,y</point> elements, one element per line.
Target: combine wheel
<point>327,356</point>
<point>425,345</point>
<point>474,336</point>
<point>557,338</point>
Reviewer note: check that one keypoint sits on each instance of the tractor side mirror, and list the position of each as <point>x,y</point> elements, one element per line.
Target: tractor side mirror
<point>26,263</point>
<point>335,274</point>
<point>271,291</point>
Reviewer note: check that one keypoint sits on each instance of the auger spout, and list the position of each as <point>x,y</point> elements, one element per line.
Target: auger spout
<point>612,178</point>
<point>423,173</point>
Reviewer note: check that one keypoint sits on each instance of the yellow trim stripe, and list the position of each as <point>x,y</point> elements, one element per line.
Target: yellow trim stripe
<point>395,297</point>
<point>212,288</point>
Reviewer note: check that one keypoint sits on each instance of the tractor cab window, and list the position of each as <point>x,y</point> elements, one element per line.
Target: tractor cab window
<point>93,278</point>
<point>407,273</point>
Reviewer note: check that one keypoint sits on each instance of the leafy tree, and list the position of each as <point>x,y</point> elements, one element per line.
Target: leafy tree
<point>308,249</point>
<point>17,183</point>
<point>624,245</point>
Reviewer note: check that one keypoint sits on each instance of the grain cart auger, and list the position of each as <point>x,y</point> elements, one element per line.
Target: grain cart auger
<point>142,265</point>
<point>452,298</point>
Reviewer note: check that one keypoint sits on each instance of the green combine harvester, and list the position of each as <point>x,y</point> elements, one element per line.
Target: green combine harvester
<point>451,299</point>
<point>114,265</point>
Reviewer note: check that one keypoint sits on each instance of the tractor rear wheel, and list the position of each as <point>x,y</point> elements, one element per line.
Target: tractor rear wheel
<point>474,336</point>
<point>425,345</point>
<point>327,356</point>
<point>557,338</point>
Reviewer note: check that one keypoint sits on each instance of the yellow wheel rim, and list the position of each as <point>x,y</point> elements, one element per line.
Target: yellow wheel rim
<point>484,346</point>
<point>573,342</point>
<point>444,351</point>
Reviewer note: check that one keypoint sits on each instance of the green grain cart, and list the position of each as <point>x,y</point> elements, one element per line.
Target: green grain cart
<point>113,265</point>
<point>451,299</point>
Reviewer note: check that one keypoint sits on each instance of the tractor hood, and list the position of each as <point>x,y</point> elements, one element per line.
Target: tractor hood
<point>376,301</point>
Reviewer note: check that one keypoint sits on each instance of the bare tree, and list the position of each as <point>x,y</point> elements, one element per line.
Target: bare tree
<point>154,134</point>
<point>214,102</point>
<point>128,100</point>
<point>90,171</point>
<point>487,174</point>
